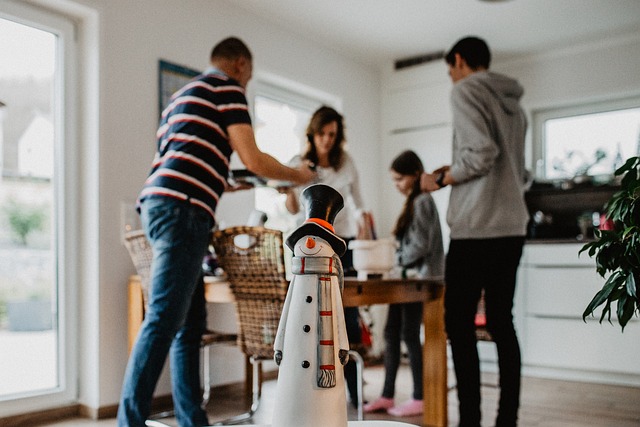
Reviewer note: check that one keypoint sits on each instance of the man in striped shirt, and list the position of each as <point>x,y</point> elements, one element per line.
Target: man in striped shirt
<point>203,124</point>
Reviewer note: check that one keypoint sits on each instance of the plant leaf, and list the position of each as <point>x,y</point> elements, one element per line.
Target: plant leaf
<point>600,297</point>
<point>625,312</point>
<point>631,286</point>
<point>617,252</point>
<point>622,301</point>
<point>606,311</point>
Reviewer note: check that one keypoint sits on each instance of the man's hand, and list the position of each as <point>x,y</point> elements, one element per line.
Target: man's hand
<point>428,182</point>
<point>441,169</point>
<point>306,174</point>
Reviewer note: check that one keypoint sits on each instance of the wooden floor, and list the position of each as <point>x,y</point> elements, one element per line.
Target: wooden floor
<point>545,403</point>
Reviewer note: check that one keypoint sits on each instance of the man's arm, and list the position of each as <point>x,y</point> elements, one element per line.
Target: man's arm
<point>242,140</point>
<point>472,123</point>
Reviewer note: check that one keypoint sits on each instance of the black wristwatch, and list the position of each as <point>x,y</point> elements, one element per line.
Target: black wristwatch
<point>440,180</point>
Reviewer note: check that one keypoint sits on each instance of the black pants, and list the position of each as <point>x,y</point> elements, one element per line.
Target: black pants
<point>403,324</point>
<point>473,265</point>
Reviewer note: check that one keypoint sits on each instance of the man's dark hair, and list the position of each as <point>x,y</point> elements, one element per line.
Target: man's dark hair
<point>473,50</point>
<point>231,48</point>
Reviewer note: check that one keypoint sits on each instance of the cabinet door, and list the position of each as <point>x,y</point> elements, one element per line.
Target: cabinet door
<point>561,292</point>
<point>573,344</point>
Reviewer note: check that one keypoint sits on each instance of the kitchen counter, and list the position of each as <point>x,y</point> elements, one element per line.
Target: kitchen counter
<point>559,240</point>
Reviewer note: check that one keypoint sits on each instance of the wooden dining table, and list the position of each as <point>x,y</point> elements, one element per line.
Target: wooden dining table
<point>361,293</point>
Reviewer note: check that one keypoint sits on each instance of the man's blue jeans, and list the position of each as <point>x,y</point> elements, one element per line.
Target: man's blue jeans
<point>176,314</point>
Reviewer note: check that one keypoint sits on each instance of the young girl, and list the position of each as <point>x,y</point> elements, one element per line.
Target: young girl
<point>418,233</point>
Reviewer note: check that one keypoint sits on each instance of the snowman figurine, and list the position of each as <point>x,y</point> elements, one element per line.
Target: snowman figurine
<point>311,345</point>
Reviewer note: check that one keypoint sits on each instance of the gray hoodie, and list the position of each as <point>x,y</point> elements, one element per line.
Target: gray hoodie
<point>489,129</point>
<point>421,245</point>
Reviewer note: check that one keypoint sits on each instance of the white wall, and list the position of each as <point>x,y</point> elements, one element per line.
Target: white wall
<point>584,73</point>
<point>133,36</point>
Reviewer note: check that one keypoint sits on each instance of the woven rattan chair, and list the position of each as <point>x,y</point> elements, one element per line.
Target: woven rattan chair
<point>253,260</point>
<point>141,255</point>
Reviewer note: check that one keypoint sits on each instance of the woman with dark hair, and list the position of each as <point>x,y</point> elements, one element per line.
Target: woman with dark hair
<point>420,249</point>
<point>325,123</point>
<point>335,167</point>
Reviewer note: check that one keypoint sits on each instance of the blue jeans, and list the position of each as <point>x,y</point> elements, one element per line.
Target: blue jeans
<point>176,314</point>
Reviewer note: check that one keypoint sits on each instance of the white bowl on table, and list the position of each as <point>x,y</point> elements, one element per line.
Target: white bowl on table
<point>373,257</point>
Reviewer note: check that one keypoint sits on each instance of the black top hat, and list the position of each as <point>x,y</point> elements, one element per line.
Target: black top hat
<point>322,203</point>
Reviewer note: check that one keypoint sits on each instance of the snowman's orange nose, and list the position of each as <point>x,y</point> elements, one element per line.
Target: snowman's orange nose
<point>310,243</point>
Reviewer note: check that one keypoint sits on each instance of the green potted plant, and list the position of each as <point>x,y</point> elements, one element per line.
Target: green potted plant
<point>617,251</point>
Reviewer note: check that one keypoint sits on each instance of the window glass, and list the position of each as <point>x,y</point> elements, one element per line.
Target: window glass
<point>280,129</point>
<point>591,140</point>
<point>27,273</point>
<point>36,54</point>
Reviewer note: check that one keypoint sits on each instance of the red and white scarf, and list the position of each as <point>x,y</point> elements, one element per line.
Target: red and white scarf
<point>324,268</point>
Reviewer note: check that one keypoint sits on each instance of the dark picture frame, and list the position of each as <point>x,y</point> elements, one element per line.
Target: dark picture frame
<point>171,77</point>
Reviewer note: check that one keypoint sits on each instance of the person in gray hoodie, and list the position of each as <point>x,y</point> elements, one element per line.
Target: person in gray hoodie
<point>488,217</point>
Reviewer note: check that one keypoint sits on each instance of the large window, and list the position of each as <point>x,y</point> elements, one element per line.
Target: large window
<point>588,140</point>
<point>281,118</point>
<point>35,61</point>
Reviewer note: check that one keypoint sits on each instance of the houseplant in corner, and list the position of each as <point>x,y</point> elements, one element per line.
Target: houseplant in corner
<point>617,251</point>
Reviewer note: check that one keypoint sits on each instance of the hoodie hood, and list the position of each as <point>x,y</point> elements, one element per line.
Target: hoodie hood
<point>505,89</point>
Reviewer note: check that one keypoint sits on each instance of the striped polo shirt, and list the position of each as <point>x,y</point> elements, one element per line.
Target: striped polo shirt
<point>193,150</point>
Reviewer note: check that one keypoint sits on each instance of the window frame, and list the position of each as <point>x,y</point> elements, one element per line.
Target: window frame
<point>65,197</point>
<point>284,90</point>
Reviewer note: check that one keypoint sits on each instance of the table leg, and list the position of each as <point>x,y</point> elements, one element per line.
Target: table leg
<point>435,362</point>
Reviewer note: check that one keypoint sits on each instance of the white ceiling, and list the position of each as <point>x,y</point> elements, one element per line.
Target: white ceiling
<point>382,31</point>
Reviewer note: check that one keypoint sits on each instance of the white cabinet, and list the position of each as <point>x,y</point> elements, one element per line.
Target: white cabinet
<point>555,286</point>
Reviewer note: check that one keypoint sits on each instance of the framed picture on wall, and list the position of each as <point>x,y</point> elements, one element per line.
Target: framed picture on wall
<point>171,77</point>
